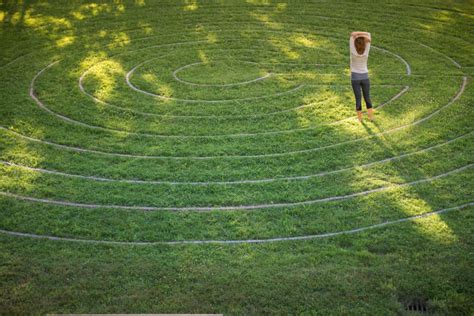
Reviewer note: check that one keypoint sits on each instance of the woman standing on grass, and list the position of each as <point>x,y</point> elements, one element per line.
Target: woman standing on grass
<point>359,46</point>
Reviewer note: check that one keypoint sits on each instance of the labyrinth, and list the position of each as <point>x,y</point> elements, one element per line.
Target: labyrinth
<point>135,129</point>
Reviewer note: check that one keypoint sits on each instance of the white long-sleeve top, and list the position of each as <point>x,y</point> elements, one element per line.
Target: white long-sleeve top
<point>359,62</point>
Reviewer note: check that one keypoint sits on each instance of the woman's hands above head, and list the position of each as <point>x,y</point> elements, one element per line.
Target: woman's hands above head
<point>361,34</point>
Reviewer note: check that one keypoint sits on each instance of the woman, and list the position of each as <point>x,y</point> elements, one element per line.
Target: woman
<point>359,45</point>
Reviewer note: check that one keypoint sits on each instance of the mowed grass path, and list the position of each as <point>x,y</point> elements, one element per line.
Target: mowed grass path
<point>203,157</point>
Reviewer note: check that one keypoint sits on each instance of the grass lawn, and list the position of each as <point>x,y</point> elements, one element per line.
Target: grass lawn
<point>200,156</point>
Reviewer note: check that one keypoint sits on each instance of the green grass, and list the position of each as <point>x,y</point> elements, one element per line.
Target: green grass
<point>222,142</point>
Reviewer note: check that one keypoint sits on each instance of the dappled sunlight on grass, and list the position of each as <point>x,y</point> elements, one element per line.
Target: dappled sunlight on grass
<point>425,26</point>
<point>304,75</point>
<point>65,41</point>
<point>304,41</point>
<point>146,27</point>
<point>13,180</point>
<point>190,5</point>
<point>259,2</point>
<point>266,20</point>
<point>26,127</point>
<point>284,48</point>
<point>104,76</point>
<point>328,79</point>
<point>92,59</point>
<point>61,29</point>
<point>94,9</point>
<point>53,24</point>
<point>49,26</point>
<point>139,3</point>
<point>9,177</point>
<point>159,87</point>
<point>444,16</point>
<point>119,39</point>
<point>212,38</point>
<point>120,9</point>
<point>314,42</point>
<point>351,127</point>
<point>199,27</point>
<point>203,57</point>
<point>326,106</point>
<point>280,7</point>
<point>313,76</point>
<point>373,178</point>
<point>445,21</point>
<point>102,33</point>
<point>436,229</point>
<point>21,152</point>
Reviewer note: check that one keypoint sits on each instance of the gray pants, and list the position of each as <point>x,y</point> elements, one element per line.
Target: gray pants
<point>363,84</point>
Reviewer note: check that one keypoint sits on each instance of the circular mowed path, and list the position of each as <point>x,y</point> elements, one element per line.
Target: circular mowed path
<point>231,124</point>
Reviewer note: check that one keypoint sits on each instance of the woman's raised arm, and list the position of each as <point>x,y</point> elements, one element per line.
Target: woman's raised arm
<point>362,34</point>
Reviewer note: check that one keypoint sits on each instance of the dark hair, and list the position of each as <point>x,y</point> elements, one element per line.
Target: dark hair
<point>359,44</point>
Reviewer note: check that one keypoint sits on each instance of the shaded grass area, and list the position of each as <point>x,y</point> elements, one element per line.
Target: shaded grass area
<point>374,272</point>
<point>303,45</point>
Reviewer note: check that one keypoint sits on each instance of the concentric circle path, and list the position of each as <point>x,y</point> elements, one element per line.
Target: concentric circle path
<point>207,119</point>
